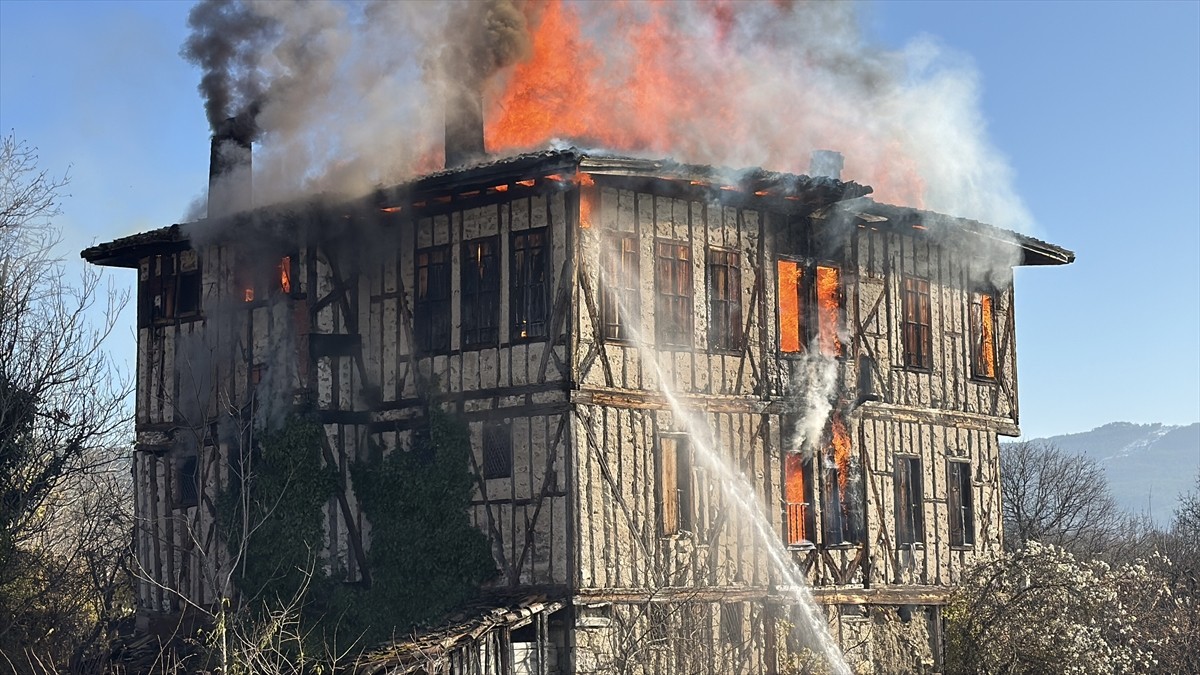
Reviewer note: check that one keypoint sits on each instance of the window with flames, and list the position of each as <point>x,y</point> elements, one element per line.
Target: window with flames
<point>810,307</point>
<point>834,473</point>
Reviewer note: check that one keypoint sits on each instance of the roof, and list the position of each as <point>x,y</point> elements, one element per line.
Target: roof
<point>124,252</point>
<point>430,650</point>
<point>775,189</point>
<point>1034,251</point>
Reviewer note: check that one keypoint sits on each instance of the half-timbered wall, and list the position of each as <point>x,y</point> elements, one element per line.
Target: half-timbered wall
<point>937,415</point>
<point>589,435</point>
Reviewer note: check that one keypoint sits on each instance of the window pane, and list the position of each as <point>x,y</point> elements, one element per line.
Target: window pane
<point>791,307</point>
<point>829,309</point>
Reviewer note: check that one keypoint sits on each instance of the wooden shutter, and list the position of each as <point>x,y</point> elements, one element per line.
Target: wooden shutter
<point>668,485</point>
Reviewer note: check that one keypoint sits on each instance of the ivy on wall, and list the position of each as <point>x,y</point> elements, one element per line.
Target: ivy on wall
<point>426,557</point>
<point>272,516</point>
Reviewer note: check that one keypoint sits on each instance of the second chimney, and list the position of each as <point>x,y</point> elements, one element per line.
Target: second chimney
<point>464,123</point>
<point>230,169</point>
<point>826,164</point>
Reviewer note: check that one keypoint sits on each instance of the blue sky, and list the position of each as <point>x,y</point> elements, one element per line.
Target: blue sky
<point>1096,106</point>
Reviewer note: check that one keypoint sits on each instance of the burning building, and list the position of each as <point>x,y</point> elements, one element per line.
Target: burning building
<point>595,320</point>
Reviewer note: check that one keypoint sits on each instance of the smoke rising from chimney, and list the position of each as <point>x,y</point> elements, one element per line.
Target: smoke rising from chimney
<point>353,95</point>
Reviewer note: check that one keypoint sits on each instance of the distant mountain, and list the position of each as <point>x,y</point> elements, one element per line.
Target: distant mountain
<point>1148,465</point>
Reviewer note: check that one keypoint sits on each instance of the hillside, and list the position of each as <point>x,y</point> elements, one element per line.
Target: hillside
<point>1148,465</point>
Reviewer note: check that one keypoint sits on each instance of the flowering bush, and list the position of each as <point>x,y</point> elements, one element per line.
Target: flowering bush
<point>1040,610</point>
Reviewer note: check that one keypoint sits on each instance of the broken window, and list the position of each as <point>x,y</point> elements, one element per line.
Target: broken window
<point>960,502</point>
<point>841,499</point>
<point>285,274</point>
<point>675,503</point>
<point>724,300</point>
<point>810,307</point>
<point>431,304</point>
<point>529,288</point>
<point>481,292</point>
<point>620,300</point>
<point>673,285</point>
<point>169,287</point>
<point>983,335</point>
<point>797,480</point>
<point>917,335</point>
<point>187,482</point>
<point>910,520</point>
<point>497,450</point>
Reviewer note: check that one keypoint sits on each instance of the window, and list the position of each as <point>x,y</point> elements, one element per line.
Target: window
<point>187,480</point>
<point>841,500</point>
<point>431,306</point>
<point>621,301</point>
<point>810,307</point>
<point>724,300</point>
<point>674,470</point>
<point>169,287</point>
<point>918,338</point>
<point>983,335</point>
<point>529,287</point>
<point>732,614</point>
<point>673,285</point>
<point>797,477</point>
<point>910,521</point>
<point>481,292</point>
<point>960,502</point>
<point>791,307</point>
<point>497,451</point>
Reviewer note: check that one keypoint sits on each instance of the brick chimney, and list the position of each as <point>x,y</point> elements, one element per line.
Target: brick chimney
<point>229,168</point>
<point>464,122</point>
<point>826,164</point>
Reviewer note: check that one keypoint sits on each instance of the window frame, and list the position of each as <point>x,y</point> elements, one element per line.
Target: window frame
<point>170,288</point>
<point>799,517</point>
<point>910,500</point>
<point>679,333</point>
<point>479,293</point>
<point>496,437</point>
<point>842,519</point>
<point>182,500</point>
<point>809,310</point>
<point>432,313</point>
<point>724,312</point>
<point>979,335</point>
<point>674,485</point>
<point>525,298</point>
<point>916,338</point>
<point>620,272</point>
<point>960,503</point>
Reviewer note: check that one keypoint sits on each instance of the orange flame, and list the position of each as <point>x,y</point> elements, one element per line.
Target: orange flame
<point>652,83</point>
<point>793,487</point>
<point>790,307</point>
<point>987,335</point>
<point>829,309</point>
<point>248,295</point>
<point>840,441</point>
<point>285,274</point>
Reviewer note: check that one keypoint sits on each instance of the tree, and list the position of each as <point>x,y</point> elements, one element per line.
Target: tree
<point>63,507</point>
<point>1057,498</point>
<point>1041,610</point>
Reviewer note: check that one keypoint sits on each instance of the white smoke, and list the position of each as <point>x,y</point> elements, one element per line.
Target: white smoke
<point>815,378</point>
<point>350,94</point>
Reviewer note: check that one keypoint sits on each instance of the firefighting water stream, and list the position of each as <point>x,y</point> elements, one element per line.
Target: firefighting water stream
<point>740,494</point>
